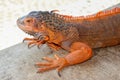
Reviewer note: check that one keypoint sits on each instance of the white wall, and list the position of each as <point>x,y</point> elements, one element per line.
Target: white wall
<point>10,10</point>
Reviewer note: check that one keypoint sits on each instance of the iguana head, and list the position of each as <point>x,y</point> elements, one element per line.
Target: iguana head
<point>33,23</point>
<point>44,23</point>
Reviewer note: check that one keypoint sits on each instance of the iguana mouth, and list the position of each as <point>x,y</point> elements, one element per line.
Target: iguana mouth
<point>37,35</point>
<point>31,33</point>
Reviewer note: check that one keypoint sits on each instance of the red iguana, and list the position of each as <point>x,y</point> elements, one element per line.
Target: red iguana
<point>77,35</point>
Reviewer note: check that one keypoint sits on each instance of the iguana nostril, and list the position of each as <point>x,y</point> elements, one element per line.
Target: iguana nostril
<point>20,20</point>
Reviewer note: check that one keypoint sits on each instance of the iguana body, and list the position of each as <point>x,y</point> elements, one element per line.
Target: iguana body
<point>78,35</point>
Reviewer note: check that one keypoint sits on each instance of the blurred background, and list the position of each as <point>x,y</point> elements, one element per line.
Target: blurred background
<point>11,10</point>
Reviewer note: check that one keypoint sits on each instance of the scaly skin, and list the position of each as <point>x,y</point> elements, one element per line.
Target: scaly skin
<point>78,35</point>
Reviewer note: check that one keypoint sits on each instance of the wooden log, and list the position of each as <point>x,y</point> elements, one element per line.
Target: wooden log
<point>17,63</point>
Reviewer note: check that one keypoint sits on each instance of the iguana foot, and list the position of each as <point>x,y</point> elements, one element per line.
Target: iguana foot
<point>33,41</point>
<point>58,63</point>
<point>79,52</point>
<point>36,41</point>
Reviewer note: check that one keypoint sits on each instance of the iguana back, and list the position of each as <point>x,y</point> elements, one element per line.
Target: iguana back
<point>100,32</point>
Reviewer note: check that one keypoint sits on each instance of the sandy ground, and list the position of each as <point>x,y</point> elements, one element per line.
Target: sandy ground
<point>10,10</point>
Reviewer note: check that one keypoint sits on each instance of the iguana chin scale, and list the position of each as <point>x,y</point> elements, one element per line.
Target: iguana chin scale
<point>77,35</point>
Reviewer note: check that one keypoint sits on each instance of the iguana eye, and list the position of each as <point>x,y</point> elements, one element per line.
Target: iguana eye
<point>28,20</point>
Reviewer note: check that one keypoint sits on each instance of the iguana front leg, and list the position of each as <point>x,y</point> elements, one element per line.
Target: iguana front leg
<point>32,41</point>
<point>36,41</point>
<point>79,52</point>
